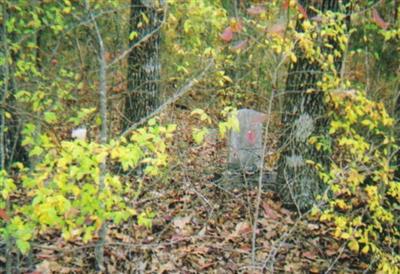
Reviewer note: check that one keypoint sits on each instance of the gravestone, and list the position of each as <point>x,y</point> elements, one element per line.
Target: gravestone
<point>246,146</point>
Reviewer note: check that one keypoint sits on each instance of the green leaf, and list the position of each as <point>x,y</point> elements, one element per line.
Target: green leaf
<point>23,246</point>
<point>36,151</point>
<point>199,134</point>
<point>133,35</point>
<point>50,117</point>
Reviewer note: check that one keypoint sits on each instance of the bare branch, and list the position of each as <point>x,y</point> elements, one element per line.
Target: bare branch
<point>141,41</point>
<point>171,100</point>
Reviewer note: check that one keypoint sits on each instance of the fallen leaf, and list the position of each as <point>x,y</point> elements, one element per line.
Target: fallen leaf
<point>204,265</point>
<point>44,267</point>
<point>269,212</point>
<point>242,228</point>
<point>331,252</point>
<point>168,267</point>
<point>181,222</point>
<point>312,226</point>
<point>310,255</point>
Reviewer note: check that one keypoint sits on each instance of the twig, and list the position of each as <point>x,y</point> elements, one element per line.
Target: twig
<point>342,248</point>
<point>99,251</point>
<point>260,180</point>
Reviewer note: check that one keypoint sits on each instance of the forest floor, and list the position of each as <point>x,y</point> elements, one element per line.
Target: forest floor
<point>203,226</point>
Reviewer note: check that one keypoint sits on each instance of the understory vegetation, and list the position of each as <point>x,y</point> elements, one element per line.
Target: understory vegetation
<point>122,125</point>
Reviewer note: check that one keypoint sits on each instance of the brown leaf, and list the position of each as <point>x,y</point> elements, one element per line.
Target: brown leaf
<point>44,267</point>
<point>227,35</point>
<point>242,228</point>
<point>312,226</point>
<point>167,268</point>
<point>201,250</point>
<point>245,248</point>
<point>378,19</point>
<point>181,222</point>
<point>331,252</point>
<point>204,265</point>
<point>310,255</point>
<point>269,212</point>
<point>286,212</point>
<point>46,254</point>
<point>271,233</point>
<point>3,215</point>
<point>255,10</point>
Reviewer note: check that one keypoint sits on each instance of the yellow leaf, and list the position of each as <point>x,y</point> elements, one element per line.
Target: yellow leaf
<point>293,58</point>
<point>345,235</point>
<point>353,245</point>
<point>365,249</point>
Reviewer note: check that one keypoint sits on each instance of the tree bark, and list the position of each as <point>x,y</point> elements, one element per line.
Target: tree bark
<point>304,116</point>
<point>143,62</point>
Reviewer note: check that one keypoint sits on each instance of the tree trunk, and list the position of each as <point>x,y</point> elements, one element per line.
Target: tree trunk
<point>304,116</point>
<point>143,63</point>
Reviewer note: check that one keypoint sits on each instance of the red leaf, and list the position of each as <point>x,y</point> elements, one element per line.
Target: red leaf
<point>378,19</point>
<point>227,35</point>
<point>240,45</point>
<point>255,10</point>
<point>302,10</point>
<point>3,215</point>
<point>236,26</point>
<point>285,4</point>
